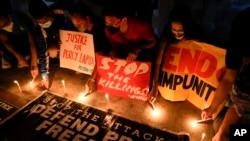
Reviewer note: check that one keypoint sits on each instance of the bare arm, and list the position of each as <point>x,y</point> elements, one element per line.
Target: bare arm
<point>33,51</point>
<point>8,45</point>
<point>154,90</point>
<point>221,92</point>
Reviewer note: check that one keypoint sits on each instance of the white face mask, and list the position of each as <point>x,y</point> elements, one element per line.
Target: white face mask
<point>46,25</point>
<point>179,35</point>
<point>9,27</point>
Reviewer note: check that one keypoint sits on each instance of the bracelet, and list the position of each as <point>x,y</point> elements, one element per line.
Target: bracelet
<point>92,80</point>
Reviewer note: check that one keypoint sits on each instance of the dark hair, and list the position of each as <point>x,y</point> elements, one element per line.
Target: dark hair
<point>115,9</point>
<point>80,8</point>
<point>4,13</point>
<point>38,9</point>
<point>182,14</point>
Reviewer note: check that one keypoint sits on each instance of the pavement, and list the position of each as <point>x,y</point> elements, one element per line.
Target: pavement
<point>172,116</point>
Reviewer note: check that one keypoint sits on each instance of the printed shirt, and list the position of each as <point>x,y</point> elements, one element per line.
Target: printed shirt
<point>52,36</point>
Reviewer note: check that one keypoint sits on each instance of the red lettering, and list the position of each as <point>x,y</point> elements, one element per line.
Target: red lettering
<point>170,58</point>
<point>76,38</point>
<point>206,66</point>
<point>188,61</point>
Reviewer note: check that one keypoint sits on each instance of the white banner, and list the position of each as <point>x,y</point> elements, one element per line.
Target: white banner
<point>77,51</point>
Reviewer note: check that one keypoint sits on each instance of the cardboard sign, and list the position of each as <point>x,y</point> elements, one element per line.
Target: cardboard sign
<point>52,118</point>
<point>191,71</point>
<point>77,51</point>
<point>129,79</point>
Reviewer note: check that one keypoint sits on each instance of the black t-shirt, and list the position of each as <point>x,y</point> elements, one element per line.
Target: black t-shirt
<point>239,41</point>
<point>239,48</point>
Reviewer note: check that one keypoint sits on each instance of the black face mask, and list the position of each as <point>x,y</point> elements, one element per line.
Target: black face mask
<point>113,30</point>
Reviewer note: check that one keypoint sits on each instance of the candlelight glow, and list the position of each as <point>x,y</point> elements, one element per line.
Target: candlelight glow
<point>202,136</point>
<point>107,96</point>
<point>31,85</point>
<point>156,112</point>
<point>193,123</point>
<point>82,96</point>
<point>63,83</point>
<point>18,86</point>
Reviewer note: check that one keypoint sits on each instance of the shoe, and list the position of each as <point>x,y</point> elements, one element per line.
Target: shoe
<point>5,64</point>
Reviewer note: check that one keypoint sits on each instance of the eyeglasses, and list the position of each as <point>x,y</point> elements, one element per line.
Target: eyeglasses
<point>114,25</point>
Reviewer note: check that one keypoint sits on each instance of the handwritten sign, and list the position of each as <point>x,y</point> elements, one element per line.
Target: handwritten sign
<point>191,71</point>
<point>129,79</point>
<point>77,51</point>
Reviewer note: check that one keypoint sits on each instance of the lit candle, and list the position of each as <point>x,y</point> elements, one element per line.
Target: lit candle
<point>18,86</point>
<point>63,83</point>
<point>203,120</point>
<point>107,98</point>
<point>31,83</point>
<point>152,105</point>
<point>202,136</point>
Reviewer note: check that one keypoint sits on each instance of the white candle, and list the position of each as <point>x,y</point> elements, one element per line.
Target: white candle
<point>202,136</point>
<point>203,120</point>
<point>31,83</point>
<point>107,98</point>
<point>18,86</point>
<point>152,104</point>
<point>63,83</point>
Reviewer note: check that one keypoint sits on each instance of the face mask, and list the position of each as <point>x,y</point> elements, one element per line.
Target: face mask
<point>113,30</point>
<point>179,35</point>
<point>9,27</point>
<point>46,25</point>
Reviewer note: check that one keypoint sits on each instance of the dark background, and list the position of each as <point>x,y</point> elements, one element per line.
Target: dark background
<point>213,16</point>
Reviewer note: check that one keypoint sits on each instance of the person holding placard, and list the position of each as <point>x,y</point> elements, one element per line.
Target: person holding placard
<point>47,29</point>
<point>83,20</point>
<point>180,28</point>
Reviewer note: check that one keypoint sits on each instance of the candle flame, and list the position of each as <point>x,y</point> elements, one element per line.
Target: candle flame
<point>107,96</point>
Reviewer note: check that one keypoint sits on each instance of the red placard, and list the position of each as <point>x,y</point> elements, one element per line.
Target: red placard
<point>129,79</point>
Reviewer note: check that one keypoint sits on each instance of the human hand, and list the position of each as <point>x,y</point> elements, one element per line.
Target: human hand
<point>34,71</point>
<point>112,54</point>
<point>90,85</point>
<point>207,112</point>
<point>22,62</point>
<point>59,43</point>
<point>152,95</point>
<point>132,56</point>
<point>45,83</point>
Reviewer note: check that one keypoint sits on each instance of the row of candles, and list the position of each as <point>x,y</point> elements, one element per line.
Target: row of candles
<point>155,111</point>
<point>32,85</point>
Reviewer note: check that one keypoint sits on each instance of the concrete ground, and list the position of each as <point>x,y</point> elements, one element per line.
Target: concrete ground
<point>173,116</point>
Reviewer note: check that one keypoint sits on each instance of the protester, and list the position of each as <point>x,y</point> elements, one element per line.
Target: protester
<point>130,37</point>
<point>84,20</point>
<point>180,28</point>
<point>236,80</point>
<point>16,35</point>
<point>47,29</point>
